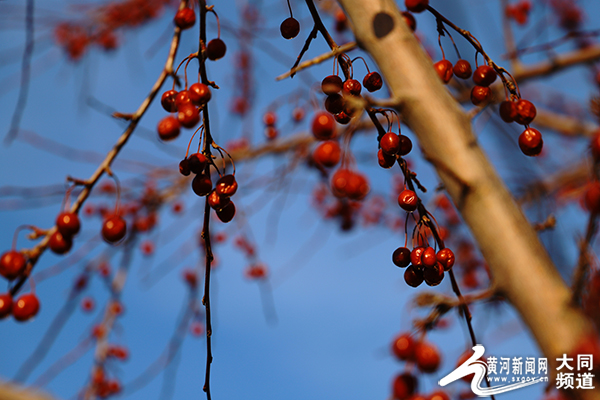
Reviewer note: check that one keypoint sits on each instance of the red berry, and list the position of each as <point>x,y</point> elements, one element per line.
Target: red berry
<point>401,257</point>
<point>427,357</point>
<point>508,111</point>
<point>6,303</point>
<point>480,94</point>
<point>352,86</point>
<point>339,182</point>
<point>343,118</point>
<point>334,103</point>
<point>114,229</point>
<point>416,6</point>
<point>289,28</point>
<point>530,142</point>
<point>439,395</point>
<point>408,200</point>
<point>68,223</point>
<point>188,116</point>
<point>182,99</point>
<point>199,94</point>
<point>168,128</point>
<point>227,213</point>
<point>87,304</point>
<point>433,275</point>
<point>403,347</point>
<point>271,133</point>
<point>526,112</point>
<point>197,163</point>
<point>462,69</point>
<point>595,145</point>
<point>226,186</point>
<point>184,167</point>
<point>428,257</point>
<point>405,385</point>
<point>357,187</point>
<point>185,18</point>
<point>413,276</point>
<point>384,160</point>
<point>592,197</point>
<point>59,243</point>
<point>327,153</point>
<point>444,70</point>
<point>410,20</point>
<point>390,143</point>
<point>216,49</point>
<point>202,184</point>
<point>26,307</point>
<point>484,75</point>
<point>446,258</point>
<point>270,118</point>
<point>217,202</point>
<point>167,100</point>
<point>331,84</point>
<point>416,256</point>
<point>372,81</point>
<point>12,264</point>
<point>323,126</point>
<point>405,145</point>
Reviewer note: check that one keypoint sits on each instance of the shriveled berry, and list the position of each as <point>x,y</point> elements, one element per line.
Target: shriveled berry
<point>427,357</point>
<point>484,75</point>
<point>413,276</point>
<point>184,167</point>
<point>167,100</point>
<point>227,213</point>
<point>289,28</point>
<point>332,84</point>
<point>202,184</point>
<point>323,126</point>
<point>416,6</point>
<point>508,111</point>
<point>226,186</point>
<point>444,70</point>
<point>197,163</point>
<point>114,229</point>
<point>215,49</point>
<point>68,223</point>
<point>530,142</point>
<point>343,118</point>
<point>25,307</point>
<point>480,95</point>
<point>384,160</point>
<point>327,153</point>
<point>462,69</point>
<point>59,243</point>
<point>428,257</point>
<point>216,201</point>
<point>401,257</point>
<point>188,116</point>
<point>6,302</point>
<point>199,93</point>
<point>390,143</point>
<point>405,145</point>
<point>352,86</point>
<point>410,20</point>
<point>408,200</point>
<point>433,275</point>
<point>12,264</point>
<point>372,81</point>
<point>526,112</point>
<point>168,128</point>
<point>334,103</point>
<point>403,347</point>
<point>446,258</point>
<point>185,18</point>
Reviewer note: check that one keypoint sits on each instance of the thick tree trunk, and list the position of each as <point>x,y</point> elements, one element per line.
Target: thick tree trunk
<point>521,267</point>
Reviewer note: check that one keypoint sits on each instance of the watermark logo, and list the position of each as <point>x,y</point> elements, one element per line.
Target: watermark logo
<point>489,370</point>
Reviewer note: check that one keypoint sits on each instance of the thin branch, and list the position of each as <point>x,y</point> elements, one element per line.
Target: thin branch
<point>318,59</point>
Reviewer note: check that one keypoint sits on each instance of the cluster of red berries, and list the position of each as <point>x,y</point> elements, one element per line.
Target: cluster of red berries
<point>391,146</point>
<point>67,226</point>
<point>104,387</point>
<point>22,309</point>
<point>219,196</point>
<point>187,104</point>
<point>270,119</point>
<point>424,264</point>
<point>523,112</point>
<point>518,11</point>
<point>340,93</point>
<point>425,356</point>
